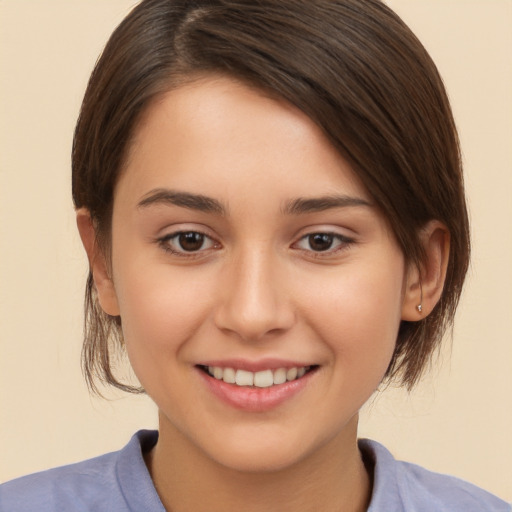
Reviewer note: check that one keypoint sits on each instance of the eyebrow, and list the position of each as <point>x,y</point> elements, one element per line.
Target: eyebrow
<point>184,199</point>
<point>303,205</point>
<point>207,204</point>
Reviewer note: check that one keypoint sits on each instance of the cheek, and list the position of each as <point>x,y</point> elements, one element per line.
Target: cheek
<point>161,309</point>
<point>358,316</point>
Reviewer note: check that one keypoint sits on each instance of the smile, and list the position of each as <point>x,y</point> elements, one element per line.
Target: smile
<point>256,386</point>
<point>261,379</point>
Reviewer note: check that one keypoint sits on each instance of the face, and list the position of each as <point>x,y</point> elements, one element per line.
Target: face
<point>245,247</point>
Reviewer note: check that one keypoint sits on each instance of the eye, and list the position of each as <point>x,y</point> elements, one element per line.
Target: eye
<point>323,242</point>
<point>184,242</point>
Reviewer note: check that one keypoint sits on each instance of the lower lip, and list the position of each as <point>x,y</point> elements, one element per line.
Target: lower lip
<point>254,399</point>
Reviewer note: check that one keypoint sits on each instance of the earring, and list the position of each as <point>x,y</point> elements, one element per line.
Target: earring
<point>419,307</point>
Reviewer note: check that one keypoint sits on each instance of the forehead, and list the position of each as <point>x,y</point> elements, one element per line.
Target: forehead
<point>215,132</point>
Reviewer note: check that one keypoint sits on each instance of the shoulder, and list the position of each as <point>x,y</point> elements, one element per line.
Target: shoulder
<point>95,484</point>
<point>448,492</point>
<point>76,486</point>
<point>403,486</point>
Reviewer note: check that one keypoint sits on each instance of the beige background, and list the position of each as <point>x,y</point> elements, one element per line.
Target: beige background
<point>458,421</point>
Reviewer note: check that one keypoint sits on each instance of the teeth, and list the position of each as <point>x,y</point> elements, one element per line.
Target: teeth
<point>280,376</point>
<point>229,375</point>
<point>291,374</point>
<point>244,378</point>
<point>263,379</point>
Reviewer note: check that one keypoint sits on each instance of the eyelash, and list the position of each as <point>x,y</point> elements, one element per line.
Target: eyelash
<point>165,243</point>
<point>344,242</point>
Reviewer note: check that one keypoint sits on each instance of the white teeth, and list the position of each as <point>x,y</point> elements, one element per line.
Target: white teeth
<point>291,374</point>
<point>280,376</point>
<point>229,376</point>
<point>244,378</point>
<point>262,379</point>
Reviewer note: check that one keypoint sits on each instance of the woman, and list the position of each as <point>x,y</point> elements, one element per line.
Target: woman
<point>271,200</point>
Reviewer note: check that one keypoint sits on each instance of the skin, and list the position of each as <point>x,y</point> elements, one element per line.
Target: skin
<point>256,289</point>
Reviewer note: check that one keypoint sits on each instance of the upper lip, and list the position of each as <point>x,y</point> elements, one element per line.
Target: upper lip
<point>254,366</point>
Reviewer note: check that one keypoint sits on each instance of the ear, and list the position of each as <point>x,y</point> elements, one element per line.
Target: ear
<point>97,263</point>
<point>424,285</point>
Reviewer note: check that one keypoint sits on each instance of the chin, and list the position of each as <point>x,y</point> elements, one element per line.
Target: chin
<point>261,449</point>
<point>259,460</point>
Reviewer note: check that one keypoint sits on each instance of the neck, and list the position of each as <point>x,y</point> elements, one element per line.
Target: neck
<point>333,479</point>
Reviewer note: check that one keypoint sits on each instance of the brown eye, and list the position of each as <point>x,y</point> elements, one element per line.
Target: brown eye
<point>328,243</point>
<point>191,241</point>
<point>320,241</point>
<point>185,243</point>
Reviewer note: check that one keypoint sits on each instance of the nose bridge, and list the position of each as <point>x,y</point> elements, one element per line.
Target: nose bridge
<point>254,301</point>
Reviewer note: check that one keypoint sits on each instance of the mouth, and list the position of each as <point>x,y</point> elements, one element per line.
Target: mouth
<point>261,379</point>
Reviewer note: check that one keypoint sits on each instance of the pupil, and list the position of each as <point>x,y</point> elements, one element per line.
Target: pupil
<point>191,241</point>
<point>320,241</point>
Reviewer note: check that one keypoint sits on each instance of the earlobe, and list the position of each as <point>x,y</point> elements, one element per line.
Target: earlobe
<point>97,263</point>
<point>424,284</point>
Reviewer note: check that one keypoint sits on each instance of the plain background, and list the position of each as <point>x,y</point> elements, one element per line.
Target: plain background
<point>459,420</point>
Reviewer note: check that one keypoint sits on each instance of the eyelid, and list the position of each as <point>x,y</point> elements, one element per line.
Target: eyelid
<point>344,242</point>
<point>164,241</point>
<point>341,241</point>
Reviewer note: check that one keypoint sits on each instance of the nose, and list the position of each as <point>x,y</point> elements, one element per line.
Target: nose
<point>254,300</point>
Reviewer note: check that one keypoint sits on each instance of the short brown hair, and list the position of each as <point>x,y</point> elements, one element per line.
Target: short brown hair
<point>352,66</point>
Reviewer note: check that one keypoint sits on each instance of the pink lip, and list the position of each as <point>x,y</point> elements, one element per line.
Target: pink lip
<point>254,366</point>
<point>253,399</point>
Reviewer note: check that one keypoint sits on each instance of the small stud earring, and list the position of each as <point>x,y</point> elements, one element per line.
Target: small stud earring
<point>419,307</point>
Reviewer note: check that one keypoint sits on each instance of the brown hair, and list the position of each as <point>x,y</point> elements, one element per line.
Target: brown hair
<point>351,65</point>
